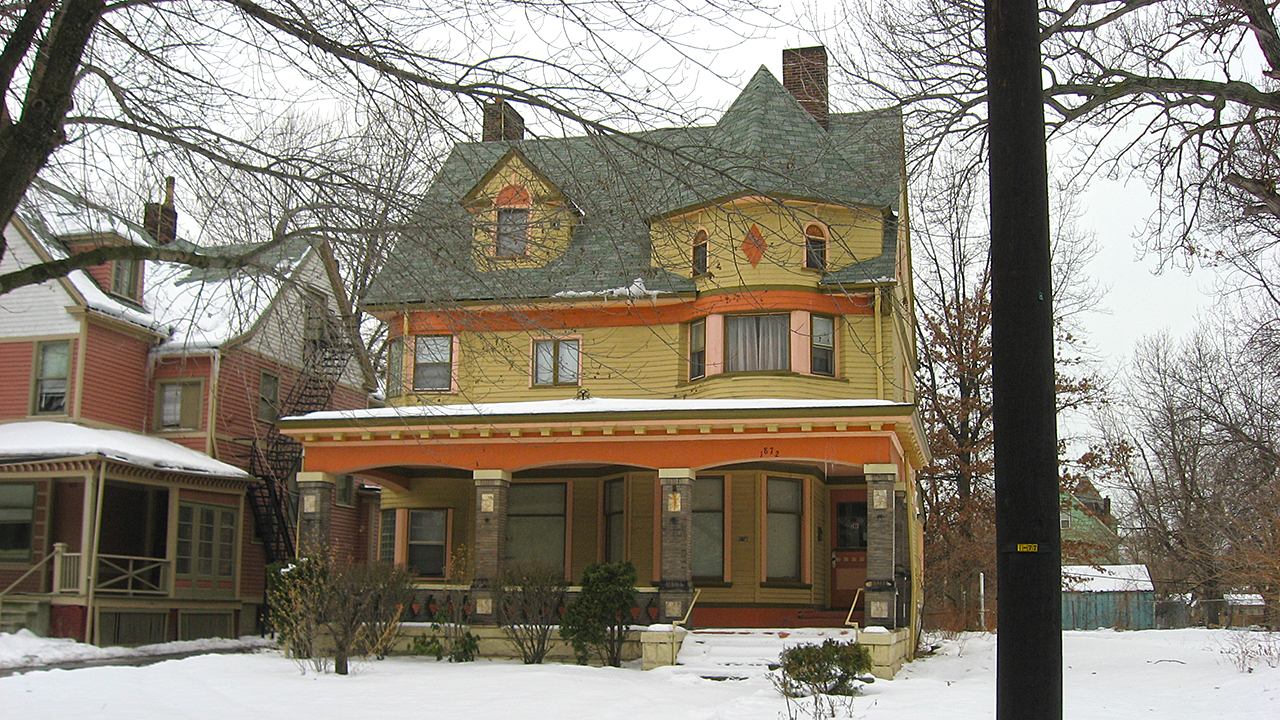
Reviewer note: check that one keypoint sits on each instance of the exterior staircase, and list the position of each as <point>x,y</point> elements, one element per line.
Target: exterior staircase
<point>17,614</point>
<point>740,654</point>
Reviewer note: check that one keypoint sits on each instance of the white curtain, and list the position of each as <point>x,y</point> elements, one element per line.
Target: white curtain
<point>757,342</point>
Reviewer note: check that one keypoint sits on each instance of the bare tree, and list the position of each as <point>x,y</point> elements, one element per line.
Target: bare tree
<point>1181,93</point>
<point>186,83</point>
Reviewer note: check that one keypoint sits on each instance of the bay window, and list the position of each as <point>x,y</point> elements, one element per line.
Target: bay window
<point>698,349</point>
<point>433,363</point>
<point>823,346</point>
<point>757,342</point>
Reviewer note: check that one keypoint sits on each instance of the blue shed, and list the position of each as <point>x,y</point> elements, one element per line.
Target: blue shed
<point>1107,596</point>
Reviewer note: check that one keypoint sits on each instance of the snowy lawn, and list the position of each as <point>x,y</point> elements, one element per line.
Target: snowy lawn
<point>1156,674</point>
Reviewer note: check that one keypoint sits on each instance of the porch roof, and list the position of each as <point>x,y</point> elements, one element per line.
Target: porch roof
<point>45,440</point>
<point>611,407</point>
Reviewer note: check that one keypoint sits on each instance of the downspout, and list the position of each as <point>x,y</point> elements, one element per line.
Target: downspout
<point>91,627</point>
<point>211,428</point>
<point>879,346</point>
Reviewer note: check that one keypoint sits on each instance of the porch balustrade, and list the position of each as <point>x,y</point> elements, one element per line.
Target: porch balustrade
<point>128,575</point>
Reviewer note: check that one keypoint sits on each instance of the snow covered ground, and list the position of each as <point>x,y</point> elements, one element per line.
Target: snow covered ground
<point>1155,674</point>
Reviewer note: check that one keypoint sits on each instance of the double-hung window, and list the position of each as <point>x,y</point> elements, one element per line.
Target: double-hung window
<point>268,397</point>
<point>17,512</point>
<point>536,523</point>
<point>124,278</point>
<point>822,358</point>
<point>428,531</point>
<point>697,349</point>
<point>783,528</point>
<point>395,367</point>
<point>180,405</point>
<point>51,376</point>
<point>555,362</point>
<point>433,363</point>
<point>387,537</point>
<point>708,528</point>
<point>757,342</point>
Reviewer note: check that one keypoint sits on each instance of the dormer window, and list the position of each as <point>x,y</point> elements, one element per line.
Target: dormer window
<point>513,232</point>
<point>815,247</point>
<point>700,253</point>
<point>124,278</point>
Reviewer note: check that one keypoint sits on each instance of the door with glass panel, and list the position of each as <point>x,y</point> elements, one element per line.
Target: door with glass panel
<point>848,544</point>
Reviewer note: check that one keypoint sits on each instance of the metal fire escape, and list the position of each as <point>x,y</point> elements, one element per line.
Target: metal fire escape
<point>275,458</point>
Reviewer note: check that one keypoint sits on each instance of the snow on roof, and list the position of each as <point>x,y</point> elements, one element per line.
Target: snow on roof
<point>197,309</point>
<point>42,440</point>
<point>591,405</point>
<point>634,291</point>
<point>1252,599</point>
<point>1106,578</point>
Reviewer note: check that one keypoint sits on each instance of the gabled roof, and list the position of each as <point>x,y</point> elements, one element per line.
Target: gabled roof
<point>1106,578</point>
<point>195,309</point>
<point>765,144</point>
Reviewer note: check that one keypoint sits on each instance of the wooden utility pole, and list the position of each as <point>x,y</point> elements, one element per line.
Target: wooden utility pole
<point>1029,640</point>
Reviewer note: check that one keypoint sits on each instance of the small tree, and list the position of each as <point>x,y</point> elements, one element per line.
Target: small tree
<point>297,593</point>
<point>527,598</point>
<point>364,603</point>
<point>600,618</point>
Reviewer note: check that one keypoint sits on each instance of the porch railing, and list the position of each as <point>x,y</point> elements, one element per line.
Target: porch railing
<point>128,575</point>
<point>66,573</point>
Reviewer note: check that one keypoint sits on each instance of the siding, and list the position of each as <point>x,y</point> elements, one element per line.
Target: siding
<point>15,379</point>
<point>35,310</point>
<point>115,390</point>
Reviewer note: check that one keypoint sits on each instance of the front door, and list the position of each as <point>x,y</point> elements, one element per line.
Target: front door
<point>848,545</point>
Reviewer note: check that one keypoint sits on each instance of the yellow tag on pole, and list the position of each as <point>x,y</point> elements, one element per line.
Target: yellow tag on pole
<point>1028,547</point>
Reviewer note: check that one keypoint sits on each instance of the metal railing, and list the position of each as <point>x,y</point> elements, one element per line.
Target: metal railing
<point>848,619</point>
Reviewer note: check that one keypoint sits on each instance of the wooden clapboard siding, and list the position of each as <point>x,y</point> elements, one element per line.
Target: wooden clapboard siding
<point>585,545</point>
<point>640,522</point>
<point>16,377</point>
<point>116,391</point>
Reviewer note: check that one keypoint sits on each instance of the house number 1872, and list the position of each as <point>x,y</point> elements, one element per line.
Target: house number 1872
<point>768,451</point>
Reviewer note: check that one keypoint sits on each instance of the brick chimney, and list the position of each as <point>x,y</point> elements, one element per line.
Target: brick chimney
<point>804,75</point>
<point>501,122</point>
<point>161,220</point>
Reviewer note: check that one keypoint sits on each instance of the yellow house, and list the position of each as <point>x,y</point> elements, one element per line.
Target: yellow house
<point>690,348</point>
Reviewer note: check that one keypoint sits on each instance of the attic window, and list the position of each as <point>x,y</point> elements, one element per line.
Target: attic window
<point>513,232</point>
<point>815,248</point>
<point>700,253</point>
<point>124,278</point>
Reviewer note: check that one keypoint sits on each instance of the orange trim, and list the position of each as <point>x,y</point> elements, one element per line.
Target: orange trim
<point>401,551</point>
<point>647,451</point>
<point>616,314</point>
<point>512,195</point>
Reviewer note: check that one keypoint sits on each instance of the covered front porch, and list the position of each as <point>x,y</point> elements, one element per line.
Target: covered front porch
<point>784,516</point>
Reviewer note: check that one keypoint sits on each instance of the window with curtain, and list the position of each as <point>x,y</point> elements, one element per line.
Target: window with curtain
<point>757,342</point>
<point>51,377</point>
<point>785,511</point>
<point>708,528</point>
<point>536,523</point>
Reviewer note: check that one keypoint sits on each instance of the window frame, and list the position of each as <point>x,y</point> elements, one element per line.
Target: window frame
<point>39,378</point>
<point>815,349</point>
<point>344,491</point>
<point>444,544</point>
<point>816,245</point>
<point>698,253</point>
<point>564,515</point>
<point>222,551</point>
<point>556,344</point>
<point>190,404</point>
<point>614,545</point>
<point>395,367</point>
<point>698,349</point>
<point>733,360</point>
<point>14,510</point>
<point>125,278</point>
<point>446,364</point>
<point>268,403</point>
<point>505,231</point>
<point>801,522</point>
<point>723,513</point>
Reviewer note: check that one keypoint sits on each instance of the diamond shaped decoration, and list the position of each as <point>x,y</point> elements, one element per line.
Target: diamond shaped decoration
<point>753,246</point>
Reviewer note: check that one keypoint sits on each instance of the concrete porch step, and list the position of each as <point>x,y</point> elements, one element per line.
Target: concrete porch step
<point>738,654</point>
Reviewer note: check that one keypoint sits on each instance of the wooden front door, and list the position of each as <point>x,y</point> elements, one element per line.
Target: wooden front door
<point>848,545</point>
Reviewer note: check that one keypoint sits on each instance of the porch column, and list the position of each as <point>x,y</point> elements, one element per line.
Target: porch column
<point>315,511</point>
<point>882,595</point>
<point>491,538</point>
<point>676,586</point>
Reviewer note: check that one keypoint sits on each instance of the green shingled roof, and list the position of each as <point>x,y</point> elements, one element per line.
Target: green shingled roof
<point>764,144</point>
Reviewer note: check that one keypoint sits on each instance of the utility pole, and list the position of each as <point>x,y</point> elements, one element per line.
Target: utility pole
<point>1029,615</point>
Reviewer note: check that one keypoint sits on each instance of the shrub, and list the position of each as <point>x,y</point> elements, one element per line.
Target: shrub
<point>450,632</point>
<point>297,593</point>
<point>600,618</point>
<point>833,668</point>
<point>527,598</point>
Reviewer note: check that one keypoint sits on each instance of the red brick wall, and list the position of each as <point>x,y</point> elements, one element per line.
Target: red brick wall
<point>67,621</point>
<point>115,380</point>
<point>68,509</point>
